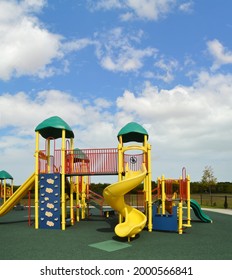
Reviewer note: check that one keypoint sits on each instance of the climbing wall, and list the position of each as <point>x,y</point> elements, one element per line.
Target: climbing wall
<point>49,201</point>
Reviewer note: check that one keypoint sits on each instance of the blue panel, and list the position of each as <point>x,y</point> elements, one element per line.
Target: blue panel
<point>165,222</point>
<point>49,201</point>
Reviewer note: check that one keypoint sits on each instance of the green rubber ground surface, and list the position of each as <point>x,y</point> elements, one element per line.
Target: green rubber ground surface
<point>94,239</point>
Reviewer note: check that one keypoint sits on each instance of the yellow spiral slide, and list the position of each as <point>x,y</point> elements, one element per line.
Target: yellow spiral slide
<point>20,193</point>
<point>134,220</point>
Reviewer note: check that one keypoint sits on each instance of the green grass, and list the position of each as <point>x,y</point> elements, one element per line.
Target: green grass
<point>214,200</point>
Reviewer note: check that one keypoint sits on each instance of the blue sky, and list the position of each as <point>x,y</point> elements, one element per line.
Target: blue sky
<point>100,64</point>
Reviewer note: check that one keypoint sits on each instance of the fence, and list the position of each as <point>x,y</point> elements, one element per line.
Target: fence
<point>214,200</point>
<point>205,200</point>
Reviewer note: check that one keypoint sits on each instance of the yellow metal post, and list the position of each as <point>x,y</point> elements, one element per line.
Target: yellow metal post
<point>77,200</point>
<point>72,154</point>
<point>158,193</point>
<point>12,187</point>
<point>146,196</point>
<point>4,194</point>
<point>149,187</point>
<point>180,223</point>
<point>188,202</point>
<point>120,166</point>
<point>83,197</point>
<point>71,201</point>
<point>163,196</point>
<point>63,210</point>
<point>71,184</point>
<point>48,154</point>
<point>146,161</point>
<point>120,159</point>
<point>37,180</point>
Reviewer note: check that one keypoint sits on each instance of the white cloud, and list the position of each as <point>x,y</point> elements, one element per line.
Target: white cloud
<point>186,7</point>
<point>105,4</point>
<point>136,9</point>
<point>127,60</point>
<point>17,157</point>
<point>187,125</point>
<point>116,51</point>
<point>92,124</point>
<point>167,68</point>
<point>219,53</point>
<point>150,9</point>
<point>11,11</point>
<point>127,16</point>
<point>184,109</point>
<point>30,111</point>
<point>23,40</point>
<point>27,48</point>
<point>77,45</point>
<point>102,103</point>
<point>164,69</point>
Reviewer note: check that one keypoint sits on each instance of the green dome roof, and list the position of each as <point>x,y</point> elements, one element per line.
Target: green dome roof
<point>52,127</point>
<point>132,132</point>
<point>5,175</point>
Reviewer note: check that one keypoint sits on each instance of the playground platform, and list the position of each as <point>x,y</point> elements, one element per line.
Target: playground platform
<point>94,239</point>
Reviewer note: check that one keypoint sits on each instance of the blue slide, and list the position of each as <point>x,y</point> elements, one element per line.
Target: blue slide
<point>198,212</point>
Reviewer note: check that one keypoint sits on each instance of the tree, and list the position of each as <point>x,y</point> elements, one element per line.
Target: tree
<point>208,180</point>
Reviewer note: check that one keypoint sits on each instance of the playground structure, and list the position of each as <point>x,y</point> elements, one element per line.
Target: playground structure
<point>172,205</point>
<point>55,168</point>
<point>62,182</point>
<point>172,194</point>
<point>133,169</point>
<point>6,190</point>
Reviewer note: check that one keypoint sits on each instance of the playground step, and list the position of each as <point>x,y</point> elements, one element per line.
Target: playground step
<point>95,204</point>
<point>95,199</point>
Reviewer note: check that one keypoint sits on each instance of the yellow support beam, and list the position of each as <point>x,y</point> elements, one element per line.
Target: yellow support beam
<point>120,166</point>
<point>37,180</point>
<point>4,196</point>
<point>71,184</point>
<point>63,204</point>
<point>163,195</point>
<point>188,203</point>
<point>48,154</point>
<point>180,222</point>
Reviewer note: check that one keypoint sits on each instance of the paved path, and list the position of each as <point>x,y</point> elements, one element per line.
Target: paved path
<point>222,211</point>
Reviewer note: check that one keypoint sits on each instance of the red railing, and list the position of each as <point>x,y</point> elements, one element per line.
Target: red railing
<point>50,164</point>
<point>134,161</point>
<point>88,161</point>
<point>82,161</point>
<point>92,161</point>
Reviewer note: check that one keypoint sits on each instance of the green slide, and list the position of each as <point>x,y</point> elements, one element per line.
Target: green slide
<point>198,212</point>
